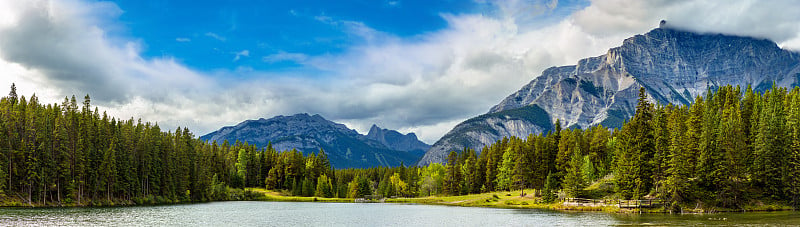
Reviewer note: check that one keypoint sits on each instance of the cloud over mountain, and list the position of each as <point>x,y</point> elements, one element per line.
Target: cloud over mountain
<point>423,83</point>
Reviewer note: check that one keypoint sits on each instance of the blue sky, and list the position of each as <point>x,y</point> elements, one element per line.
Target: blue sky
<point>413,66</point>
<point>207,35</point>
<point>212,35</point>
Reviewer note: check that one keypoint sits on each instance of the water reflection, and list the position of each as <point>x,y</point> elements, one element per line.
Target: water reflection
<point>339,214</point>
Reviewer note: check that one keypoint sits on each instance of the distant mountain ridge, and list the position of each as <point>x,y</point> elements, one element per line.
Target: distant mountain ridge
<point>673,65</point>
<point>397,141</point>
<point>345,147</point>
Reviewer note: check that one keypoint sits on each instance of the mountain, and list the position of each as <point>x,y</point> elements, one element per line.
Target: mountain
<point>673,66</point>
<point>397,141</point>
<point>345,147</point>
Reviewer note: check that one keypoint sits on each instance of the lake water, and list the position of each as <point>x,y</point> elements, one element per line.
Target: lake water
<point>359,214</point>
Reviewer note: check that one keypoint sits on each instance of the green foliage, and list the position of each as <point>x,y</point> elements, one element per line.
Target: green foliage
<point>574,181</point>
<point>549,192</point>
<point>63,154</point>
<point>725,149</point>
<point>635,151</point>
<point>506,171</point>
<point>431,179</point>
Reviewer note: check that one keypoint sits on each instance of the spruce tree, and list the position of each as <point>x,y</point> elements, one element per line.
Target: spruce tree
<point>574,181</point>
<point>770,146</point>
<point>550,188</point>
<point>633,175</point>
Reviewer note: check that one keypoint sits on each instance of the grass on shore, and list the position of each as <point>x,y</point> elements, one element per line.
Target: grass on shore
<point>499,199</point>
<point>270,195</point>
<point>504,199</point>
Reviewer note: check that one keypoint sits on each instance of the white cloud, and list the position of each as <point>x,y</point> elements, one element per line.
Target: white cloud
<point>775,20</point>
<point>243,53</point>
<point>284,56</point>
<point>425,84</point>
<point>215,36</point>
<point>183,40</point>
<point>357,29</point>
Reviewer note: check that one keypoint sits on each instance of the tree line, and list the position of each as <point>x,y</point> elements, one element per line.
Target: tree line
<point>727,149</point>
<point>72,154</point>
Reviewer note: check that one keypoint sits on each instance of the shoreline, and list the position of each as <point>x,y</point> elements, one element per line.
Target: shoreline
<point>500,199</point>
<point>512,200</point>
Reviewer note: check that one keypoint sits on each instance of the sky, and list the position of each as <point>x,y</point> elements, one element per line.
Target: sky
<point>413,66</point>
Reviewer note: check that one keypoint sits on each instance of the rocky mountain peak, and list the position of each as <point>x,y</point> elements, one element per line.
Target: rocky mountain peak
<point>673,66</point>
<point>397,141</point>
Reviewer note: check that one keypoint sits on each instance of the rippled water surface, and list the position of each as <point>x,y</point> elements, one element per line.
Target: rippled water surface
<point>358,214</point>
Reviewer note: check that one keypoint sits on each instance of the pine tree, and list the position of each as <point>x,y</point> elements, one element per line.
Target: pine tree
<point>452,176</point>
<point>709,158</point>
<point>469,172</point>
<point>678,171</point>
<point>635,151</point>
<point>659,161</point>
<point>109,169</point>
<point>770,146</point>
<point>522,168</point>
<point>324,187</point>
<point>732,144</point>
<point>574,181</point>
<point>550,187</point>
<point>505,172</point>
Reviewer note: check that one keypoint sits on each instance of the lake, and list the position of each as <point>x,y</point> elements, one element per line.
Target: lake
<point>359,214</point>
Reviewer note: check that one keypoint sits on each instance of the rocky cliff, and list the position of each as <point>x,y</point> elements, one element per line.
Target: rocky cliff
<point>674,66</point>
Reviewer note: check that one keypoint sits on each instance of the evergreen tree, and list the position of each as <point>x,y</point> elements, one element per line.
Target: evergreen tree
<point>574,181</point>
<point>635,151</point>
<point>550,187</point>
<point>452,176</point>
<point>324,187</point>
<point>505,173</point>
<point>770,146</point>
<point>678,170</point>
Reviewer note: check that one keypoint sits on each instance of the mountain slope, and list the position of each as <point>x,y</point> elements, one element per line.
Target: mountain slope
<point>674,66</point>
<point>397,141</point>
<point>345,147</point>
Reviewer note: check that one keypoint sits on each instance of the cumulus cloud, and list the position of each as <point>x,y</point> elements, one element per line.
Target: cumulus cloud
<point>60,46</point>
<point>425,84</point>
<point>774,20</point>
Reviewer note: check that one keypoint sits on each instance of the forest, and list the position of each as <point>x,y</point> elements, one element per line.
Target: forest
<point>727,149</point>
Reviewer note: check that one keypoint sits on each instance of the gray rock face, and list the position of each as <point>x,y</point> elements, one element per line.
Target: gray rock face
<point>397,141</point>
<point>345,147</point>
<point>674,67</point>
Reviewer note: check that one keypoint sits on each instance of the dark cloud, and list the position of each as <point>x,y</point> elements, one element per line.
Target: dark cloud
<point>64,53</point>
